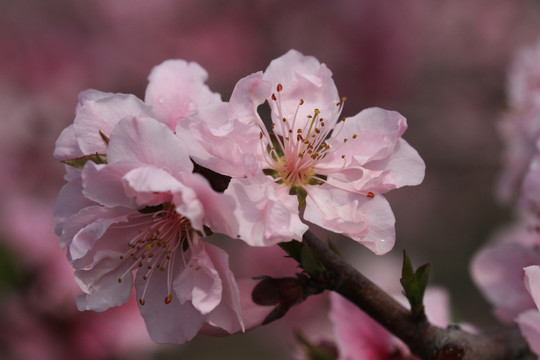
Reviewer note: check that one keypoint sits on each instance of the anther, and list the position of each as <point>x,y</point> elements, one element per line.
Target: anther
<point>354,136</point>
<point>370,195</point>
<point>301,101</point>
<point>274,97</point>
<point>279,87</point>
<point>141,301</point>
<point>168,299</point>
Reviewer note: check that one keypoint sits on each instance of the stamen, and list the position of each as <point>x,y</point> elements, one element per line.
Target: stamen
<point>285,155</point>
<point>156,247</point>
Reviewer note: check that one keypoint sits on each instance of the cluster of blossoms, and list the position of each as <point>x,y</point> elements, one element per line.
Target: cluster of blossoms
<point>135,213</point>
<point>508,270</point>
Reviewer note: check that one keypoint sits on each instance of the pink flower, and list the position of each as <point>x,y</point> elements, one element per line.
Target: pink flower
<point>174,90</point>
<point>338,168</point>
<point>520,126</point>
<point>359,337</point>
<point>524,78</point>
<point>530,197</point>
<point>529,321</point>
<point>144,210</point>
<point>497,271</point>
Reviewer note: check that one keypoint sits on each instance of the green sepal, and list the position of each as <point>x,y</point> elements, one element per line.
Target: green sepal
<point>300,193</point>
<point>207,231</point>
<point>310,262</point>
<point>318,179</point>
<point>275,149</point>
<point>81,161</point>
<point>314,352</point>
<point>271,172</point>
<point>293,249</point>
<point>414,283</point>
<point>333,247</point>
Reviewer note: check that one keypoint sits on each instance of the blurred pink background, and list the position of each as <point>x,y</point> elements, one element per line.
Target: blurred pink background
<point>442,64</point>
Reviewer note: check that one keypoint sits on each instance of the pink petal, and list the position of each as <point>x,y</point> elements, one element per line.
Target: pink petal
<point>532,283</point>
<point>218,140</point>
<point>150,186</point>
<point>148,141</point>
<point>218,208</point>
<point>498,272</point>
<point>66,146</point>
<point>437,304</point>
<point>227,315</point>
<point>175,89</point>
<point>95,222</point>
<point>102,115</point>
<point>356,334</point>
<point>369,221</point>
<point>199,283</point>
<point>371,135</point>
<point>529,324</point>
<point>253,314</point>
<point>70,201</point>
<point>360,180</point>
<point>101,287</point>
<point>103,184</point>
<point>404,166</point>
<point>302,78</point>
<point>250,92</point>
<point>166,323</point>
<point>268,214</point>
<point>530,198</point>
<point>90,95</point>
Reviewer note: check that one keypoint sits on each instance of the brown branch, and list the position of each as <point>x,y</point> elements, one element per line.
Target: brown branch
<point>425,340</point>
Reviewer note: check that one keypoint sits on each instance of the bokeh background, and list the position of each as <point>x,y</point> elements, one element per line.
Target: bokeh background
<point>442,64</point>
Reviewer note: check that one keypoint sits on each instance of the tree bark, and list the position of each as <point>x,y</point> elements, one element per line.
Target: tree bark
<point>424,340</point>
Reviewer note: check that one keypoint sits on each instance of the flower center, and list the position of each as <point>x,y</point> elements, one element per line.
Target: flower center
<point>155,248</point>
<point>295,146</point>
